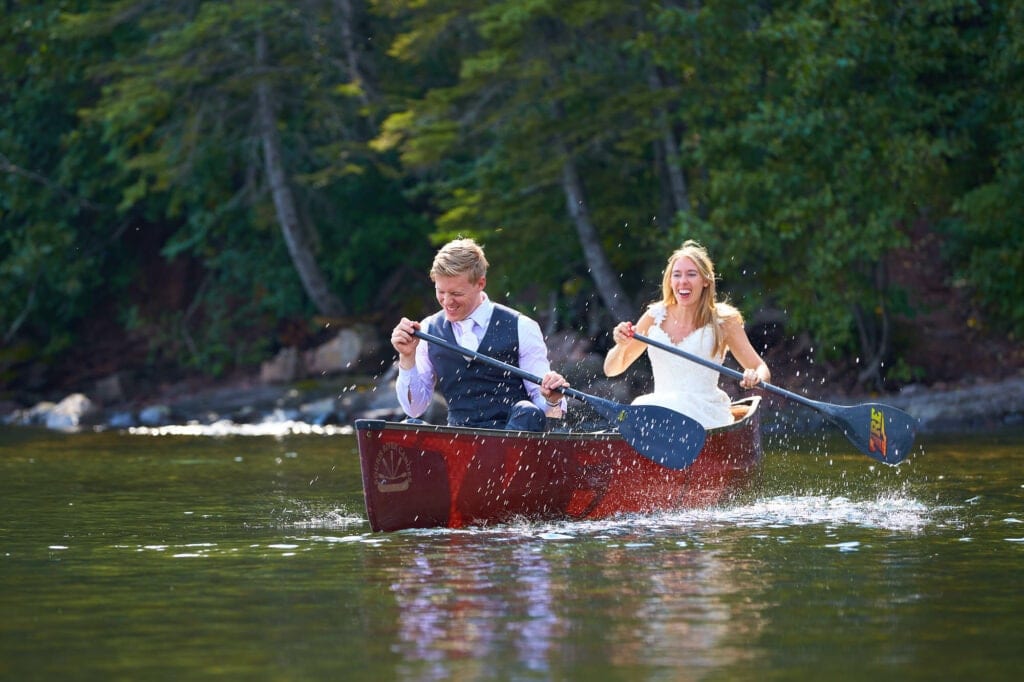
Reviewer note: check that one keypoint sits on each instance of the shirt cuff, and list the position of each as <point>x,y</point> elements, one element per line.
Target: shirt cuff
<point>405,376</point>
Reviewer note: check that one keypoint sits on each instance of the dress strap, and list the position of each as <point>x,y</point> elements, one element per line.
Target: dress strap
<point>658,312</point>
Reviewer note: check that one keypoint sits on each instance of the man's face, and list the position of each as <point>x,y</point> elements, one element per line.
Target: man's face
<point>459,295</point>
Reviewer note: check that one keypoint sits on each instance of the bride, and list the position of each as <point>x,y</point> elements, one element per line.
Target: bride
<point>689,317</point>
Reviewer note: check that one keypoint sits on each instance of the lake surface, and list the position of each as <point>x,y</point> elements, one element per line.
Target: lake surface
<point>128,556</point>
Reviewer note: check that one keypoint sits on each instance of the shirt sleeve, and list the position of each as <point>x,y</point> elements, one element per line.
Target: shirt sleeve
<point>533,357</point>
<point>415,387</point>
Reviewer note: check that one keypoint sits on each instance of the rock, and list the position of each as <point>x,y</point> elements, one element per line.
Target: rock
<point>319,412</point>
<point>121,420</point>
<point>69,413</point>
<point>283,369</point>
<point>37,414</point>
<point>155,415</point>
<point>110,389</point>
<point>282,414</point>
<point>342,353</point>
<point>965,407</point>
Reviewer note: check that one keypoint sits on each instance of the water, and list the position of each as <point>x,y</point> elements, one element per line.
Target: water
<point>249,557</point>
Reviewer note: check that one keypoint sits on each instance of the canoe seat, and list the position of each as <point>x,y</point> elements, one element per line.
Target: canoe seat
<point>739,411</point>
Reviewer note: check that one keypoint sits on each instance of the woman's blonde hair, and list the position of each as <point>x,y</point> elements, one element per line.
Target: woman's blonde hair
<point>459,257</point>
<point>709,309</point>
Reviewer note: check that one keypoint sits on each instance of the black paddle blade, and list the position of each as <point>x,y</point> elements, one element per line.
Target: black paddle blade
<point>879,431</point>
<point>664,436</point>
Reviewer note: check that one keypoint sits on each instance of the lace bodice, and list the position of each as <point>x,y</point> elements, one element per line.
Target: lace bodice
<point>673,373</point>
<point>682,384</point>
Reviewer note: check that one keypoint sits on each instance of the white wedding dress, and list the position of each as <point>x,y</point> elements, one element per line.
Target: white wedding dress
<point>683,385</point>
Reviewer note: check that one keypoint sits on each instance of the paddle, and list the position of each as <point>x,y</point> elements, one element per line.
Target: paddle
<point>664,436</point>
<point>879,431</point>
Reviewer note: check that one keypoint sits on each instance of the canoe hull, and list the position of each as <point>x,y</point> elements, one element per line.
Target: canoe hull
<point>424,476</point>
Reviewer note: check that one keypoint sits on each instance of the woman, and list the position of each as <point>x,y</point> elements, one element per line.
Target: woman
<point>690,318</point>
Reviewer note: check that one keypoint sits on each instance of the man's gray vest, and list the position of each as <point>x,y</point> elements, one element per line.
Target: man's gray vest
<point>478,394</point>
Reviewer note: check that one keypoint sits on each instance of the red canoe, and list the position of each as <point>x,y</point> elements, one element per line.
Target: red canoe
<point>424,476</point>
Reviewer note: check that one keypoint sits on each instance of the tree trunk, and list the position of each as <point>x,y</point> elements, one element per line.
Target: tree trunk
<point>348,44</point>
<point>605,279</point>
<point>670,148</point>
<point>299,247</point>
<point>874,334</point>
<point>9,335</point>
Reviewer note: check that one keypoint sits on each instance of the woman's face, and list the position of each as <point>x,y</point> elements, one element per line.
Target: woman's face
<point>687,282</point>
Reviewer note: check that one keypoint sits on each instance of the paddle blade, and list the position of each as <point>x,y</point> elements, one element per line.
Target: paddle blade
<point>879,431</point>
<point>664,436</point>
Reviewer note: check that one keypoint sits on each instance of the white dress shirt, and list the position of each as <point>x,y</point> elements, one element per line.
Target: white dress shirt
<point>415,387</point>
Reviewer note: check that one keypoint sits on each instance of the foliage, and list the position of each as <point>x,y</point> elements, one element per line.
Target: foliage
<point>54,243</point>
<point>986,246</point>
<point>806,143</point>
<point>166,127</point>
<point>846,144</point>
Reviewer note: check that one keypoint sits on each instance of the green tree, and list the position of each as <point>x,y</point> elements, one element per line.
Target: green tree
<point>544,140</point>
<point>836,140</point>
<point>56,238</point>
<point>986,246</point>
<point>245,125</point>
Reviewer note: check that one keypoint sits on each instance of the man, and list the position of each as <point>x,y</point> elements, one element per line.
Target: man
<point>478,394</point>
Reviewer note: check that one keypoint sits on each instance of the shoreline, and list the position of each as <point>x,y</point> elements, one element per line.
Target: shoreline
<point>249,407</point>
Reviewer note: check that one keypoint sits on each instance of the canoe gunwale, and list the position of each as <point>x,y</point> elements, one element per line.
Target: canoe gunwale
<point>752,404</point>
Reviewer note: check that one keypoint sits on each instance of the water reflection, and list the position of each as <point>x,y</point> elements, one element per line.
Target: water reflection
<point>601,596</point>
<point>682,590</point>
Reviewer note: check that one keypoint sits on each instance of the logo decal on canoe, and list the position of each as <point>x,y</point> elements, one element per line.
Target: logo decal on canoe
<point>391,470</point>
<point>877,442</point>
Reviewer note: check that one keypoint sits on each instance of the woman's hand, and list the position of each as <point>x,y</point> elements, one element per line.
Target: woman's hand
<point>622,333</point>
<point>752,377</point>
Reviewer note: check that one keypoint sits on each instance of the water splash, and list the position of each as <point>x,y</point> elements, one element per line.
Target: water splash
<point>331,519</point>
<point>230,428</point>
<point>885,512</point>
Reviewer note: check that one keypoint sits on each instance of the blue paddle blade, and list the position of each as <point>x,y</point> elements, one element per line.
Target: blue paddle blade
<point>881,432</point>
<point>668,438</point>
<point>664,436</point>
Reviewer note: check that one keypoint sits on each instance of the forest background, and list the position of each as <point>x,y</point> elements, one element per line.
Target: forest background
<point>187,186</point>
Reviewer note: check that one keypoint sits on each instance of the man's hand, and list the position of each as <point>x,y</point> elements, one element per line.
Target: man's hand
<point>550,387</point>
<point>405,343</point>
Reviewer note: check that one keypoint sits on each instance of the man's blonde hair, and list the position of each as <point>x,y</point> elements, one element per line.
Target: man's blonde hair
<point>459,257</point>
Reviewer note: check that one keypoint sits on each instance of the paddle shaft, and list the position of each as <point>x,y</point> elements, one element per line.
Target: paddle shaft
<point>879,431</point>
<point>725,370</point>
<point>494,362</point>
<point>663,436</point>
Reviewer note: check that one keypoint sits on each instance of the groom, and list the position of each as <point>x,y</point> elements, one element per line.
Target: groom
<point>478,394</point>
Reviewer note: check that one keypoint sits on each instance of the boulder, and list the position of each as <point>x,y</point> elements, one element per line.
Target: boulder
<point>283,369</point>
<point>155,415</point>
<point>69,413</point>
<point>110,390</point>
<point>343,352</point>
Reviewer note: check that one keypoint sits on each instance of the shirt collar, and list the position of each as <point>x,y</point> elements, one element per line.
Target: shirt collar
<point>482,313</point>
